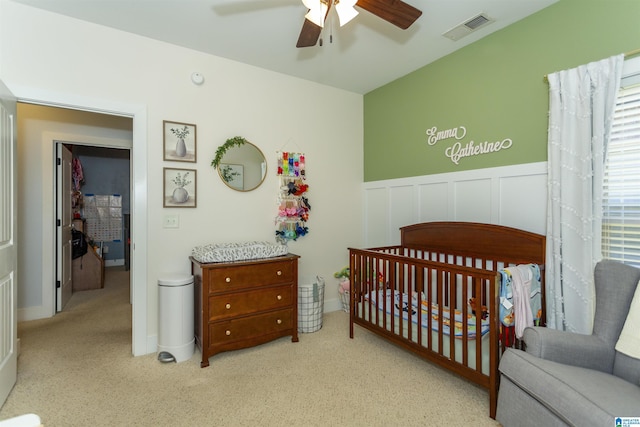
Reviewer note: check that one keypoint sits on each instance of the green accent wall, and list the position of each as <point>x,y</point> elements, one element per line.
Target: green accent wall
<point>494,87</point>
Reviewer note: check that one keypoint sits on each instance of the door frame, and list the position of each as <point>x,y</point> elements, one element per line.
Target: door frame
<point>9,349</point>
<point>140,344</point>
<point>64,214</point>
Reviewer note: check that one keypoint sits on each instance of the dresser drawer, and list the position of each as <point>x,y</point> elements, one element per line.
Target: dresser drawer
<point>246,328</point>
<point>235,277</point>
<point>248,302</point>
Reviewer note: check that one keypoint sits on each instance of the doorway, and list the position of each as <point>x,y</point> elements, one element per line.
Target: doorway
<point>93,201</point>
<point>37,205</point>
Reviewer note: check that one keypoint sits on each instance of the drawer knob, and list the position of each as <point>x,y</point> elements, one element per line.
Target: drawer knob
<point>279,297</point>
<point>228,280</point>
<point>228,306</point>
<point>279,321</point>
<point>279,273</point>
<point>228,333</point>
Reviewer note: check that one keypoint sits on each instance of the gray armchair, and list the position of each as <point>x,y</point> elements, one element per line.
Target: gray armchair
<point>572,379</point>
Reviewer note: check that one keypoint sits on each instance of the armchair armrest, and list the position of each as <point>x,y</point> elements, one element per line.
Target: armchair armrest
<point>585,351</point>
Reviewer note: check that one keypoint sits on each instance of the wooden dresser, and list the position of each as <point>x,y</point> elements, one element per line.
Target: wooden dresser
<point>244,303</point>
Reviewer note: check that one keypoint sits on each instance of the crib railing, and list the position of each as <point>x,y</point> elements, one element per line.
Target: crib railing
<point>439,282</point>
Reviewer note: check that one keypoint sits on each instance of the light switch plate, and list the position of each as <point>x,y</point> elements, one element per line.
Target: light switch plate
<point>171,221</point>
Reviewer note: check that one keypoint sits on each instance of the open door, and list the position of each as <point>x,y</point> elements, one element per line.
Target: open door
<point>8,252</point>
<point>64,221</point>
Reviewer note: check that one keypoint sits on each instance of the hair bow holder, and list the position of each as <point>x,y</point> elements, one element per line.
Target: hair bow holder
<point>293,205</point>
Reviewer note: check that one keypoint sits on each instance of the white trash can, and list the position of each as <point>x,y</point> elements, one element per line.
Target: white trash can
<point>310,304</point>
<point>176,337</point>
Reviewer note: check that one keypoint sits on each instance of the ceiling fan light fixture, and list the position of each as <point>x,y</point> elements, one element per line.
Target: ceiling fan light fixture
<point>396,12</point>
<point>345,10</point>
<point>317,11</point>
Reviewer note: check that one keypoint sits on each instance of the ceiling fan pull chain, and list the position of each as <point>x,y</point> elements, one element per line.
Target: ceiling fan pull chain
<point>331,30</point>
<point>331,26</point>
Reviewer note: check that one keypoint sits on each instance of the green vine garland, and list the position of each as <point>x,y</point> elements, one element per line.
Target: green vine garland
<point>231,142</point>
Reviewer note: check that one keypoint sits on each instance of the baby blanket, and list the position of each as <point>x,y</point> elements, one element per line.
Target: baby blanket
<point>629,341</point>
<point>397,302</point>
<point>520,298</point>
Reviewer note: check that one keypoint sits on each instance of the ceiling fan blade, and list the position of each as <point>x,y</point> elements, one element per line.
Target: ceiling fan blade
<point>310,32</point>
<point>396,12</point>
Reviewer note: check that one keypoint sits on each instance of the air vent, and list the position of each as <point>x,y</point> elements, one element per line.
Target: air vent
<point>476,22</point>
<point>468,26</point>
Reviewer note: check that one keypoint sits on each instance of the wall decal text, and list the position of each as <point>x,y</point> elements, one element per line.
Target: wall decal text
<point>459,149</point>
<point>433,135</point>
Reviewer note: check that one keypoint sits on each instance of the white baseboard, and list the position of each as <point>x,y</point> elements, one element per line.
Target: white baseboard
<point>332,305</point>
<point>33,313</point>
<point>152,344</point>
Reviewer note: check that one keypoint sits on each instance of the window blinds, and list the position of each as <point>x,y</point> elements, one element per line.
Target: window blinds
<point>621,195</point>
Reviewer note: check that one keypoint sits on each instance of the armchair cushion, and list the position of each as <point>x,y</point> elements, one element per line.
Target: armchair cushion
<point>627,368</point>
<point>585,351</point>
<point>575,395</point>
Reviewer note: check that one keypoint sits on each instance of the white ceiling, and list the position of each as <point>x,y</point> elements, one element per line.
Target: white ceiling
<point>364,55</point>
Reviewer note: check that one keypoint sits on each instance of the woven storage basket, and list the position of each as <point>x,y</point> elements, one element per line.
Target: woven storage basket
<point>344,298</point>
<point>310,304</point>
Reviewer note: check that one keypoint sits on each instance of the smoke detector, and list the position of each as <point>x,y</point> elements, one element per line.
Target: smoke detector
<point>468,26</point>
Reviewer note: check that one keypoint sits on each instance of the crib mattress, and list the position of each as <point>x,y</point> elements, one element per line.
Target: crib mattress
<point>227,252</point>
<point>378,319</point>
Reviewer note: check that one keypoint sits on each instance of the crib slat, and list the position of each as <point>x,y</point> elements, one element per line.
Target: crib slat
<point>429,304</point>
<point>440,302</point>
<point>452,314</point>
<point>478,294</point>
<point>419,280</point>
<point>466,283</point>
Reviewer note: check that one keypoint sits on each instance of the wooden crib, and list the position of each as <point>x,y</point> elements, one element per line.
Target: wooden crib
<point>418,294</point>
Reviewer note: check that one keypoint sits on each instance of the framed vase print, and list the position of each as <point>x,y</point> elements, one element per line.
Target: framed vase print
<point>179,189</point>
<point>179,141</point>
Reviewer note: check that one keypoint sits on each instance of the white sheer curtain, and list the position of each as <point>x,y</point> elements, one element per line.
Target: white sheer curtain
<point>581,104</point>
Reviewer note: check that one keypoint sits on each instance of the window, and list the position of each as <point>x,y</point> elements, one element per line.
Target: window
<point>621,196</point>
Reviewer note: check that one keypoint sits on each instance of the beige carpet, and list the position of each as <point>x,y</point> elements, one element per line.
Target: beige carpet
<point>76,369</point>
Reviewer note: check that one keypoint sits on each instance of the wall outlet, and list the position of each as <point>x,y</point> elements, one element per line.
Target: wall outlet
<point>171,221</point>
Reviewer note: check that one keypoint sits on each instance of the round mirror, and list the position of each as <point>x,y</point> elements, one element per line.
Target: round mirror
<point>243,167</point>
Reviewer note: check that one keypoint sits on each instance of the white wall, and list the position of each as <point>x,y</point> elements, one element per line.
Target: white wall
<point>514,196</point>
<point>54,57</point>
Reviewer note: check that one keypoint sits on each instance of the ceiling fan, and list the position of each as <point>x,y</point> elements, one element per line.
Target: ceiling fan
<point>396,12</point>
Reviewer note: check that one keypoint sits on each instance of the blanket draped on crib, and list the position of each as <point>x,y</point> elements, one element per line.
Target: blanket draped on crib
<point>520,297</point>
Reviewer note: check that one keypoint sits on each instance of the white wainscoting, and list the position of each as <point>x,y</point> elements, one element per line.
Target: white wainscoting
<point>515,196</point>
